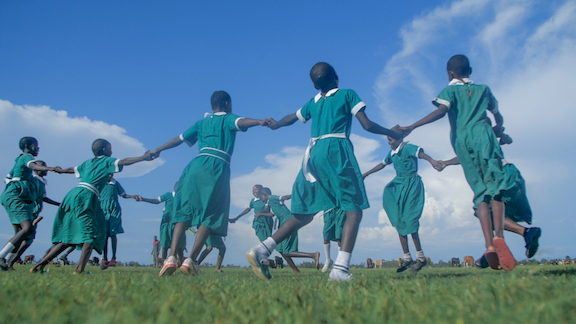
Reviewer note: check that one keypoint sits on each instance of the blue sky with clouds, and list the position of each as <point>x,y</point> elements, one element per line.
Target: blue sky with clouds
<point>139,73</point>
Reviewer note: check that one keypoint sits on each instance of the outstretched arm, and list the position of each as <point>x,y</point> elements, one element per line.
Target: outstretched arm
<point>285,197</point>
<point>435,164</point>
<point>430,118</point>
<point>246,123</point>
<point>69,170</point>
<point>444,164</point>
<point>125,196</point>
<point>264,214</point>
<point>148,200</point>
<point>131,160</point>
<point>166,146</point>
<point>39,167</point>
<point>50,201</point>
<point>377,168</point>
<point>372,127</point>
<point>244,212</point>
<point>286,121</point>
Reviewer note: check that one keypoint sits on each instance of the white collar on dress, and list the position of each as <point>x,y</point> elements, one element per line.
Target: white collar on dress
<point>464,81</point>
<point>220,113</point>
<point>328,94</point>
<point>397,150</point>
<point>112,181</point>
<point>256,198</point>
<point>44,181</point>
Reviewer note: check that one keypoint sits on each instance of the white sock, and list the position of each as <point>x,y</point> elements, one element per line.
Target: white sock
<point>9,257</point>
<point>269,245</point>
<point>407,257</point>
<point>342,261</point>
<point>420,255</point>
<point>7,249</point>
<point>327,251</point>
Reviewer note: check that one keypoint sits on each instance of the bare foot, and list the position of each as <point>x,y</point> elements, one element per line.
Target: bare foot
<point>317,260</point>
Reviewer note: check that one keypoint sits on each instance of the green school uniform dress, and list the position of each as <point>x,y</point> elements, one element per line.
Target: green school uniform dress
<point>40,185</point>
<point>517,205</point>
<point>215,241</point>
<point>203,192</point>
<point>111,207</point>
<point>330,175</point>
<point>403,197</point>
<point>79,218</point>
<point>277,207</point>
<point>473,139</point>
<point>20,192</point>
<point>334,220</point>
<point>261,225</point>
<point>166,225</point>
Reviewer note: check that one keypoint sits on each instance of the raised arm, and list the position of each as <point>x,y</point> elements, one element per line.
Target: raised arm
<point>374,128</point>
<point>286,121</point>
<point>246,123</point>
<point>430,118</point>
<point>377,168</point>
<point>435,164</point>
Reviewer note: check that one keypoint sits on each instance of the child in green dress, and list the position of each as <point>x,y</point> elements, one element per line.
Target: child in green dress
<point>261,225</point>
<point>40,185</point>
<point>330,175</point>
<point>166,226</point>
<point>203,194</point>
<point>79,220</point>
<point>19,196</point>
<point>288,248</point>
<point>403,198</point>
<point>478,150</point>
<point>113,214</point>
<point>334,220</point>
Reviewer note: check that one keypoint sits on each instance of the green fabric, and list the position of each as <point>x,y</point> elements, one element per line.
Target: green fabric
<point>19,195</point>
<point>332,161</point>
<point>334,221</point>
<point>259,206</point>
<point>203,194</point>
<point>165,227</point>
<point>215,241</point>
<point>40,186</point>
<point>111,207</point>
<point>79,218</point>
<point>473,139</point>
<point>403,197</point>
<point>277,207</point>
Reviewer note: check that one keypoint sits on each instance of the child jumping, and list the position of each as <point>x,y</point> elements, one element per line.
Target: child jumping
<point>19,196</point>
<point>113,214</point>
<point>166,225</point>
<point>403,197</point>
<point>202,197</point>
<point>289,247</point>
<point>478,150</point>
<point>79,220</point>
<point>261,225</point>
<point>330,175</point>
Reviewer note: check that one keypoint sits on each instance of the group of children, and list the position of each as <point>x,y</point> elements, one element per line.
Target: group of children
<point>329,182</point>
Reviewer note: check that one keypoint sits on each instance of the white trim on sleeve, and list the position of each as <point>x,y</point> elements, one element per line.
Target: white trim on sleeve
<point>76,173</point>
<point>357,108</point>
<point>418,151</point>
<point>117,165</point>
<point>299,115</point>
<point>184,140</point>
<point>28,164</point>
<point>236,124</point>
<point>437,102</point>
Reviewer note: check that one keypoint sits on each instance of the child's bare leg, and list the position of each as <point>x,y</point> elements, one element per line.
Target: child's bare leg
<point>498,216</point>
<point>204,254</point>
<point>86,252</point>
<point>290,226</point>
<point>50,255</point>
<point>23,247</point>
<point>24,229</point>
<point>511,226</point>
<point>114,244</point>
<point>201,237</point>
<point>404,243</point>
<point>350,230</point>
<point>416,240</point>
<point>221,253</point>
<point>105,250</point>
<point>179,231</point>
<point>483,213</point>
<point>290,262</point>
<point>164,253</point>
<point>314,256</point>
<point>507,261</point>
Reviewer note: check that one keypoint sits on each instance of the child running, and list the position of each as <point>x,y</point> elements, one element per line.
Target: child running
<point>478,150</point>
<point>261,225</point>
<point>202,197</point>
<point>214,241</point>
<point>79,220</point>
<point>289,247</point>
<point>166,225</point>
<point>113,214</point>
<point>40,185</point>
<point>19,196</point>
<point>330,175</point>
<point>333,223</point>
<point>403,198</point>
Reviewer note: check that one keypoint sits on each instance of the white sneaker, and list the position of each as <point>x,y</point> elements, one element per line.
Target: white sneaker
<point>260,268</point>
<point>189,267</point>
<point>169,267</point>
<point>338,275</point>
<point>327,265</point>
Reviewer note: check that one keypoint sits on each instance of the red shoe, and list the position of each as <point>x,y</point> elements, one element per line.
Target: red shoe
<point>507,261</point>
<point>170,265</point>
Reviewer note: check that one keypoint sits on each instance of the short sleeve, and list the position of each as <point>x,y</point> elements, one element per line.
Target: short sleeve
<point>304,113</point>
<point>355,103</point>
<point>190,136</point>
<point>251,204</point>
<point>113,165</point>
<point>164,197</point>
<point>492,102</point>
<point>27,159</point>
<point>121,192</point>
<point>388,159</point>
<point>445,98</point>
<point>232,122</point>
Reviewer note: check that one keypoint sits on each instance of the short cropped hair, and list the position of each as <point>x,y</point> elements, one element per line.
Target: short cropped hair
<point>27,141</point>
<point>323,74</point>
<point>267,190</point>
<point>99,145</point>
<point>459,64</point>
<point>219,99</point>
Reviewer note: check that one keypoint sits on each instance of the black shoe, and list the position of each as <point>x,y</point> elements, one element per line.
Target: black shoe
<point>404,265</point>
<point>418,265</point>
<point>481,263</point>
<point>3,264</point>
<point>531,236</point>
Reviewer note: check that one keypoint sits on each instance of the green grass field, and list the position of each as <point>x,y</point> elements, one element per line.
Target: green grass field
<point>529,294</point>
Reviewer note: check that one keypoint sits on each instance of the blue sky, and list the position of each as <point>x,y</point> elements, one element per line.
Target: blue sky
<point>141,72</point>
